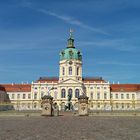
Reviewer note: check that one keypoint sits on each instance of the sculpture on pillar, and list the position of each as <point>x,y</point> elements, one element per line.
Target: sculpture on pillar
<point>46,105</point>
<point>69,105</point>
<point>83,105</point>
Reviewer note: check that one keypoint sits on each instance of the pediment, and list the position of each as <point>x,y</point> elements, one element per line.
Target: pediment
<point>70,81</point>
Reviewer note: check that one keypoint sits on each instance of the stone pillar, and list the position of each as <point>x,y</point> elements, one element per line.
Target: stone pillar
<point>83,105</point>
<point>46,105</point>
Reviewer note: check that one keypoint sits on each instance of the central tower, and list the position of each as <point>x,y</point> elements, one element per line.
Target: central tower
<point>70,65</point>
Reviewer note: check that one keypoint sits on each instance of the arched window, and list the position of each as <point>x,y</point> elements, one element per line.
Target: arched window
<point>77,71</point>
<point>63,93</point>
<point>70,92</point>
<point>63,71</point>
<point>76,93</point>
<point>70,70</point>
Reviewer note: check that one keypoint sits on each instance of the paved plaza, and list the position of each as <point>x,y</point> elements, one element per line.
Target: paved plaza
<point>69,127</point>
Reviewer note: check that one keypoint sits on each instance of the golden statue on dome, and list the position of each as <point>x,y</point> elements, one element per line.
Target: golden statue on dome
<point>71,31</point>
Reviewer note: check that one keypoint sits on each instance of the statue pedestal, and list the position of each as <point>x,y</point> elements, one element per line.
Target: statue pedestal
<point>47,105</point>
<point>83,105</point>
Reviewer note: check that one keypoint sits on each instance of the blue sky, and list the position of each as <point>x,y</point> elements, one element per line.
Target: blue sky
<point>33,32</point>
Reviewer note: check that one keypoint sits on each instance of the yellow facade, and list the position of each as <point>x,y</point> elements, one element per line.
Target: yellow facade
<point>70,81</point>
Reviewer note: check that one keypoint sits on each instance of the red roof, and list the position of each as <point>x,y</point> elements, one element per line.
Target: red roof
<point>17,87</point>
<point>90,79</point>
<point>86,79</point>
<point>125,87</point>
<point>48,79</point>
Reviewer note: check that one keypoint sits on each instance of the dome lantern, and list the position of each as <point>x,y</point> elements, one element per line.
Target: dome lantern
<point>71,40</point>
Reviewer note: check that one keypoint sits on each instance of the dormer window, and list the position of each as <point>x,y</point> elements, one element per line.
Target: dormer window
<point>62,53</point>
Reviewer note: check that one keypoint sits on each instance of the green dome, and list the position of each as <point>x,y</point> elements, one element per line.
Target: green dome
<point>70,52</point>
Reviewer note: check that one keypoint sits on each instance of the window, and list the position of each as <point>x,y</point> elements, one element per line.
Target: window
<point>29,96</point>
<point>98,105</point>
<point>7,96</point>
<point>70,92</point>
<point>77,70</point>
<point>18,96</point>
<point>111,96</point>
<point>91,95</point>
<point>55,95</point>
<point>24,96</point>
<point>98,87</point>
<point>91,105</point>
<point>35,88</point>
<point>35,96</point>
<point>105,95</point>
<point>127,96</point>
<point>128,105</point>
<point>104,87</point>
<point>42,94</point>
<point>35,105</point>
<point>122,96</point>
<point>63,93</point>
<point>116,96</point>
<point>98,95</point>
<point>70,70</point>
<point>91,87</point>
<point>105,105</point>
<point>76,93</point>
<point>49,88</point>
<point>13,96</point>
<point>29,105</point>
<point>63,71</point>
<point>133,96</point>
<point>117,106</point>
<point>122,105</point>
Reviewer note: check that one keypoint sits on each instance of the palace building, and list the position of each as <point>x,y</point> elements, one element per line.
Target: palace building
<point>102,95</point>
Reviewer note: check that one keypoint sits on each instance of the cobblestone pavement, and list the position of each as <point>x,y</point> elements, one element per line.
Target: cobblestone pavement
<point>70,128</point>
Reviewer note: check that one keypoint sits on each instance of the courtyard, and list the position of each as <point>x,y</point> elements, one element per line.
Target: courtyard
<point>70,127</point>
